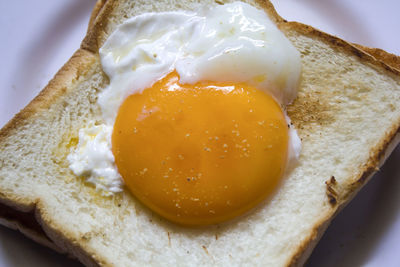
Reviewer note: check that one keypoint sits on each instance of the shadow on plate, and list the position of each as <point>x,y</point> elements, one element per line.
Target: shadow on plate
<point>13,243</point>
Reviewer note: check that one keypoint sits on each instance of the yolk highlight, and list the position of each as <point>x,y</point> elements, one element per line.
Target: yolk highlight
<point>203,153</point>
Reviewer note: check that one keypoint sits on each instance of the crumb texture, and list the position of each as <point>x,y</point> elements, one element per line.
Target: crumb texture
<point>346,112</point>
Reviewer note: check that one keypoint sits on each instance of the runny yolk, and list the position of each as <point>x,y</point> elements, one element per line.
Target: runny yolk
<point>203,153</point>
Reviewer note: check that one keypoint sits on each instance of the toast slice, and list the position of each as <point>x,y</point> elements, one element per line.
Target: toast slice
<point>26,223</point>
<point>343,92</point>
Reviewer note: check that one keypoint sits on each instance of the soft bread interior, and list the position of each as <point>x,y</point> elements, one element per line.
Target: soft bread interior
<point>346,114</point>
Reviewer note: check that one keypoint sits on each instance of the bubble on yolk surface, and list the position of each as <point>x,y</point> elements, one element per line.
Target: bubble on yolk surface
<point>200,154</point>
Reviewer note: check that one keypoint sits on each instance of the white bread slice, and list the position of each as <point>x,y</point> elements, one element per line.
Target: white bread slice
<point>341,86</point>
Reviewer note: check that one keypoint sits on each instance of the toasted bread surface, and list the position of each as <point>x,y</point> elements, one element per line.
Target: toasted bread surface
<point>343,91</point>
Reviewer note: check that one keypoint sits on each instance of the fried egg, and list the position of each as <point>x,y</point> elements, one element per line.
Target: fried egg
<point>194,121</point>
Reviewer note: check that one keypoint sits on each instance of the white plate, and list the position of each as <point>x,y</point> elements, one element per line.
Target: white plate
<point>39,36</point>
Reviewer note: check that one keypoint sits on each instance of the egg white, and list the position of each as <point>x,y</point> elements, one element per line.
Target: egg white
<point>225,43</point>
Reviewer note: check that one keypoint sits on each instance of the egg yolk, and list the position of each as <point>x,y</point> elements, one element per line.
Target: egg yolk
<point>201,153</point>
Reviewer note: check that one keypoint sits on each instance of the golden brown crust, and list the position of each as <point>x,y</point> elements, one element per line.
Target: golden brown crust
<point>64,240</point>
<point>381,55</point>
<point>386,60</point>
<point>378,155</point>
<point>13,215</point>
<point>57,87</point>
<point>307,246</point>
<point>271,11</point>
<point>76,67</point>
<point>343,45</point>
<point>92,41</point>
<point>373,56</point>
<point>85,56</point>
<point>95,12</point>
<point>68,74</point>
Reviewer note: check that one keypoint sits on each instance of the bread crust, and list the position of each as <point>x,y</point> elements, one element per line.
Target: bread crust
<point>76,66</point>
<point>381,55</point>
<point>95,12</point>
<point>379,154</point>
<point>375,162</point>
<point>20,216</point>
<point>49,236</point>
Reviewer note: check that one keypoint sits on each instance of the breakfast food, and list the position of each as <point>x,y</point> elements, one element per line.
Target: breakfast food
<point>341,92</point>
<point>188,163</point>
